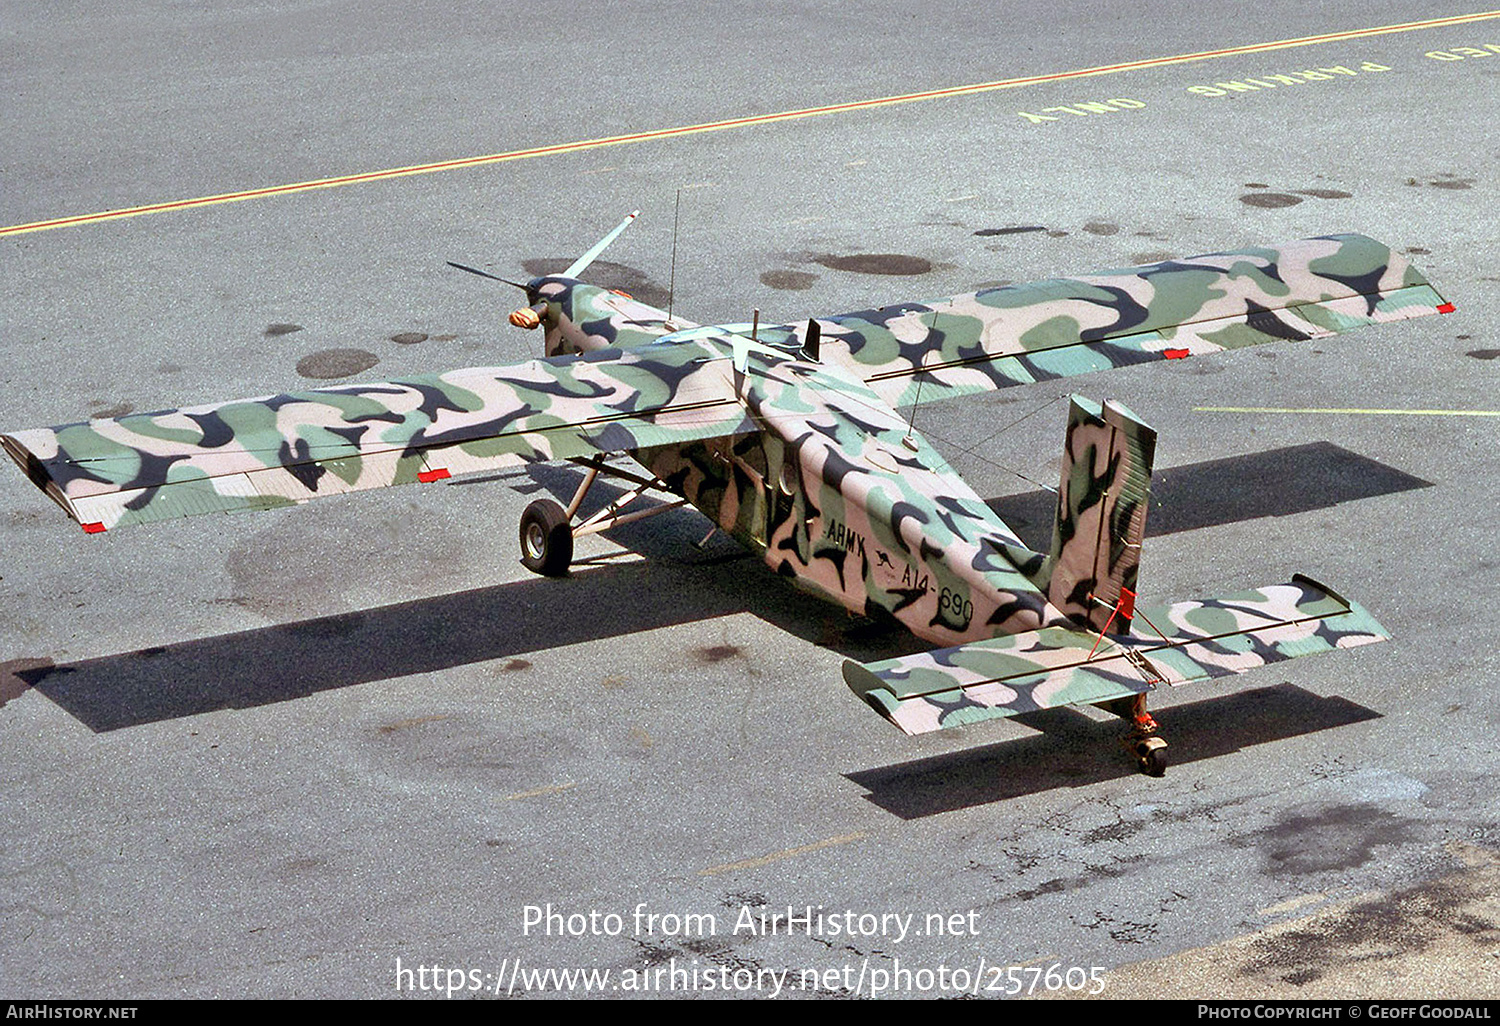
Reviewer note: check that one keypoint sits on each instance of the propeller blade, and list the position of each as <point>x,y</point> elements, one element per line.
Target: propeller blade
<point>582,262</point>
<point>487,274</point>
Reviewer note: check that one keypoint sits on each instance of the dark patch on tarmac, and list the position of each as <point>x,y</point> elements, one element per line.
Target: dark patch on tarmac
<point>1391,926</point>
<point>514,665</point>
<point>748,899</point>
<point>897,264</point>
<point>1333,838</point>
<point>1019,229</point>
<point>1102,228</point>
<point>409,338</point>
<point>1445,181</point>
<point>1064,884</point>
<point>1484,354</point>
<point>1122,931</point>
<point>274,330</point>
<point>327,364</point>
<point>606,274</point>
<point>111,412</point>
<point>1270,200</point>
<point>1150,256</point>
<point>717,653</point>
<point>793,281</point>
<point>1326,193</point>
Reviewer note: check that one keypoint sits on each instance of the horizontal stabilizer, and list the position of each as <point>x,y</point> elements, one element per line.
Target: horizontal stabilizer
<point>1058,666</point>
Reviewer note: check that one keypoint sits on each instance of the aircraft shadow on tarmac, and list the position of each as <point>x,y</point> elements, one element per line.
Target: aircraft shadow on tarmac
<point>1076,751</point>
<point>1276,483</point>
<point>293,660</point>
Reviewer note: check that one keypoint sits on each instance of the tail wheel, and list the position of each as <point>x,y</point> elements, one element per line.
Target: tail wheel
<point>546,539</point>
<point>1152,755</point>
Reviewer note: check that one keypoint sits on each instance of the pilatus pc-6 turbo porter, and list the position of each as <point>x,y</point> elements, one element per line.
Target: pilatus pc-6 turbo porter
<point>788,438</point>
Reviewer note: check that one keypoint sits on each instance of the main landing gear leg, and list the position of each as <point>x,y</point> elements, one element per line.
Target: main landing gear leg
<point>547,530</point>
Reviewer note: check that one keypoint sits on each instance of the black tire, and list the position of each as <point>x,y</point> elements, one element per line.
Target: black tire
<point>546,539</point>
<point>1154,763</point>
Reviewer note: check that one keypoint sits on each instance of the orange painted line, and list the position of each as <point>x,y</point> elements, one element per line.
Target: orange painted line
<point>756,119</point>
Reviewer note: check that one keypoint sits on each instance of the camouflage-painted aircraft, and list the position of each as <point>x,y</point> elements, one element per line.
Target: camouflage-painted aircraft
<point>788,439</point>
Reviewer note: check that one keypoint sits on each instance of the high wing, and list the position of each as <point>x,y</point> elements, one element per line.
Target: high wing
<point>1017,334</point>
<point>653,388</point>
<point>279,450</point>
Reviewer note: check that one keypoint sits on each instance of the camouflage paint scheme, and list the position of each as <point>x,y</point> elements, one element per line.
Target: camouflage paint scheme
<point>1102,502</point>
<point>802,457</point>
<point>1173,645</point>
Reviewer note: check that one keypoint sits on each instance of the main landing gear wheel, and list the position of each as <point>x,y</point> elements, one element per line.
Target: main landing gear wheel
<point>546,539</point>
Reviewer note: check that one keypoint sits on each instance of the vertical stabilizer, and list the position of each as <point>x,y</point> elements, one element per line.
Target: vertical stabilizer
<point>1101,514</point>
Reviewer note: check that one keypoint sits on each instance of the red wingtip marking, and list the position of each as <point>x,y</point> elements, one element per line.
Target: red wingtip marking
<point>433,475</point>
<point>94,528</point>
<point>1174,354</point>
<point>1446,308</point>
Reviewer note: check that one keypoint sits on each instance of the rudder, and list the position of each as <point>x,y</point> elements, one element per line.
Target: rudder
<point>1102,500</point>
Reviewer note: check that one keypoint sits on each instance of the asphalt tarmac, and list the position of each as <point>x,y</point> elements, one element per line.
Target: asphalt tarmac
<point>355,750</point>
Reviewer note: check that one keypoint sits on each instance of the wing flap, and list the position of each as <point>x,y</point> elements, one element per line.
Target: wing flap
<point>1056,666</point>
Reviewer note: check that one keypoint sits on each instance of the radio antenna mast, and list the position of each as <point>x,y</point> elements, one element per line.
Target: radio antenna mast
<point>672,277</point>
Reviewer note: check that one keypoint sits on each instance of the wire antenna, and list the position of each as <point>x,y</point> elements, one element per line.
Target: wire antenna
<point>911,425</point>
<point>672,276</point>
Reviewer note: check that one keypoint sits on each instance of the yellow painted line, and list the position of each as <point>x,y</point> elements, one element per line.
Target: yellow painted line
<point>538,792</point>
<point>788,853</point>
<point>757,119</point>
<point>1372,413</point>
